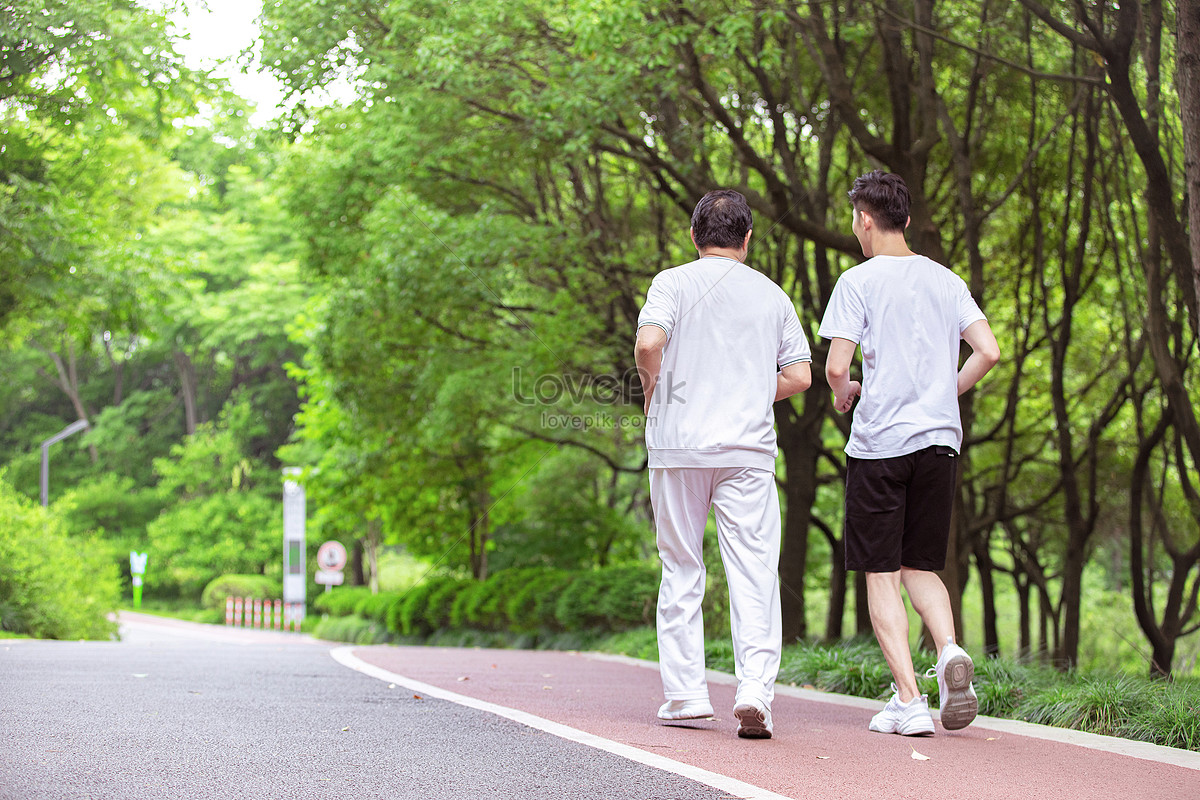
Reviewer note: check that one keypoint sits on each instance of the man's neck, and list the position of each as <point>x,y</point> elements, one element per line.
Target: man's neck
<point>723,252</point>
<point>891,244</point>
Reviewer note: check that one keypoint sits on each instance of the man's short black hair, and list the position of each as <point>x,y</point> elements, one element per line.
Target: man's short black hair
<point>721,219</point>
<point>884,196</point>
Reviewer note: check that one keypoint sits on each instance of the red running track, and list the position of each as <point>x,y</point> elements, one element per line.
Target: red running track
<point>821,748</point>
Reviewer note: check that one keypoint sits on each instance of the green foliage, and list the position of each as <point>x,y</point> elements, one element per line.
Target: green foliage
<point>257,587</point>
<point>351,628</point>
<point>531,607</point>
<point>342,601</point>
<point>408,616</point>
<point>223,518</point>
<point>614,598</point>
<point>53,585</point>
<point>379,607</point>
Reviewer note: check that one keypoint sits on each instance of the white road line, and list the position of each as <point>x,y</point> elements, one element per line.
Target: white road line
<point>346,657</point>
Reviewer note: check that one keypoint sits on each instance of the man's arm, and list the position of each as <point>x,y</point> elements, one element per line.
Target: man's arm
<point>647,353</point>
<point>837,372</point>
<point>793,379</point>
<point>984,354</point>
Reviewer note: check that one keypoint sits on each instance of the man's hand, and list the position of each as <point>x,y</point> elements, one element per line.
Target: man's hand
<point>843,402</point>
<point>837,372</point>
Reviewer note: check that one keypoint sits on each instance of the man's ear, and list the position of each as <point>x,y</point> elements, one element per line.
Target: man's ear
<point>906,222</point>
<point>746,241</point>
<point>692,236</point>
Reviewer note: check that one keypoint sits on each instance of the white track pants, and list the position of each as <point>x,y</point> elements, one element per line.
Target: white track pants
<point>746,505</point>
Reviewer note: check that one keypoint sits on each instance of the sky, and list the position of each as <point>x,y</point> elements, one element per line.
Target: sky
<point>218,31</point>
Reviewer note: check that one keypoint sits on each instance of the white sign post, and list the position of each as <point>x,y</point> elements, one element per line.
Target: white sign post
<point>331,558</point>
<point>293,544</point>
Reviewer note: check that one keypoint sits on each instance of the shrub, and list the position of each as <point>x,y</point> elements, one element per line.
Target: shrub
<point>377,607</point>
<point>441,602</point>
<point>53,586</point>
<point>630,598</point>
<point>487,609</point>
<point>466,601</point>
<point>257,586</point>
<point>352,629</point>
<point>407,617</point>
<point>613,598</point>
<point>341,601</point>
<point>531,607</point>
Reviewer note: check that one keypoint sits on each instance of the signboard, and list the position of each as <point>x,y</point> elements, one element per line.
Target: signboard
<point>330,578</point>
<point>331,556</point>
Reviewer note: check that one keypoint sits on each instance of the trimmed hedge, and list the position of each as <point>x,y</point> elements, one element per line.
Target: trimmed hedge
<point>531,601</point>
<point>256,586</point>
<point>341,601</point>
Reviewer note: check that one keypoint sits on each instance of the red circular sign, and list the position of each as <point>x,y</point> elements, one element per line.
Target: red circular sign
<point>331,556</point>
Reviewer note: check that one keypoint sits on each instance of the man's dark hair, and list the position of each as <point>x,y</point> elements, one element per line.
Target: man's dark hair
<point>721,219</point>
<point>884,196</point>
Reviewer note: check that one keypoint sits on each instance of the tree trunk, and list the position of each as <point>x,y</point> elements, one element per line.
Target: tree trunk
<point>862,612</point>
<point>800,451</point>
<point>1187,81</point>
<point>374,529</point>
<point>987,588</point>
<point>1025,634</point>
<point>357,576</point>
<point>835,619</point>
<point>68,381</point>
<point>187,389</point>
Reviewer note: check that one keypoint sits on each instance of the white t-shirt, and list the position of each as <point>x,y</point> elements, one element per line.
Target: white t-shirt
<point>729,329</point>
<point>907,313</point>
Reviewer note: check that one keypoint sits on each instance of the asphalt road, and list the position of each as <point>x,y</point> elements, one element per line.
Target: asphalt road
<point>181,712</point>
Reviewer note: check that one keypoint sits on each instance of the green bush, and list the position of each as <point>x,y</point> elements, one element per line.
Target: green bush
<point>613,599</point>
<point>53,585</point>
<point>256,586</point>
<point>531,607</point>
<point>407,617</point>
<point>378,607</point>
<point>441,602</point>
<point>487,608</point>
<point>341,601</point>
<point>351,628</point>
<point>466,601</point>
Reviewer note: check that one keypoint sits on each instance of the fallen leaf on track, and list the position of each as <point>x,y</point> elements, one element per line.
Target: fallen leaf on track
<point>464,678</point>
<point>917,756</point>
<point>417,697</point>
<point>823,757</point>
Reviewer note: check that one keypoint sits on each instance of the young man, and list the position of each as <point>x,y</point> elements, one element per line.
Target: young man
<point>908,314</point>
<point>717,345</point>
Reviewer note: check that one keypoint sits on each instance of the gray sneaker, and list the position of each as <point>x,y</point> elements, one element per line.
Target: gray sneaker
<point>754,719</point>
<point>956,694</point>
<point>907,719</point>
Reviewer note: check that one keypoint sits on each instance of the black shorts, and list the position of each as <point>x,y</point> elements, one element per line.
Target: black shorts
<point>898,510</point>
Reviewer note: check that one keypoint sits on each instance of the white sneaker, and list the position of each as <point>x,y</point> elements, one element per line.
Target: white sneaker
<point>956,694</point>
<point>907,719</point>
<point>685,709</point>
<point>754,719</point>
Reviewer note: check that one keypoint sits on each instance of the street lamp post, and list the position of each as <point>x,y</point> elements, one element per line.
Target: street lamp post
<point>74,427</point>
